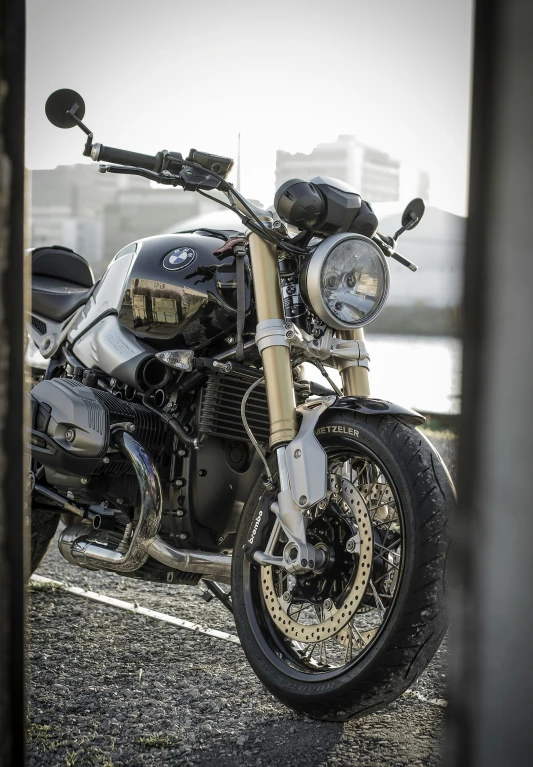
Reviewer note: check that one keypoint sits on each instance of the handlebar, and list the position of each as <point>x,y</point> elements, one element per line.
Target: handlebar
<point>387,245</point>
<point>162,167</point>
<point>171,161</point>
<point>99,152</point>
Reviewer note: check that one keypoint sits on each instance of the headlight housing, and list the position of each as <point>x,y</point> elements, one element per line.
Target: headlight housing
<point>346,281</point>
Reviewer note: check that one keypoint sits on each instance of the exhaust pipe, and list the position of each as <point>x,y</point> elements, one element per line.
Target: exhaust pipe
<point>84,545</point>
<point>95,554</point>
<point>216,566</point>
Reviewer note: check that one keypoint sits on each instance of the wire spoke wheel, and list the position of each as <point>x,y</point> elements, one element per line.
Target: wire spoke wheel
<point>324,621</point>
<point>348,638</point>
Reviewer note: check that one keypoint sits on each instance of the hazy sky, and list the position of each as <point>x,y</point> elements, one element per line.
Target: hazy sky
<point>287,74</point>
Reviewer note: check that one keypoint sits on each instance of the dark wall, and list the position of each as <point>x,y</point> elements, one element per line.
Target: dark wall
<point>492,673</point>
<point>12,62</point>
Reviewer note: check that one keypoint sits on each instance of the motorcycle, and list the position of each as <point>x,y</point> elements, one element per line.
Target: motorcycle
<point>177,434</point>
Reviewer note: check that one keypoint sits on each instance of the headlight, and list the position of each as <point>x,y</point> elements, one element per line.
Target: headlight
<point>346,281</point>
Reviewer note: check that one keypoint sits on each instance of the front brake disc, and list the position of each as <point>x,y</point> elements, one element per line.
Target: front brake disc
<point>336,618</point>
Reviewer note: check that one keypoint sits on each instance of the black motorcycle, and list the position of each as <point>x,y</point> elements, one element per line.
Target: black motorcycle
<point>176,433</point>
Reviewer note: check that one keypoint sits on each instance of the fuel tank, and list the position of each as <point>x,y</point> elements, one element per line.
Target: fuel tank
<point>178,293</point>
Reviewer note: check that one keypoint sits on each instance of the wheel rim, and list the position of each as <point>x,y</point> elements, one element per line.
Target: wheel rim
<point>290,616</point>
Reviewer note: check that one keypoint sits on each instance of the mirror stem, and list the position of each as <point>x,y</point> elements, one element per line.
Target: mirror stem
<point>72,113</point>
<point>414,220</point>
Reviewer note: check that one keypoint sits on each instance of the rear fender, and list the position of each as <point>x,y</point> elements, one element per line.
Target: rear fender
<point>374,407</point>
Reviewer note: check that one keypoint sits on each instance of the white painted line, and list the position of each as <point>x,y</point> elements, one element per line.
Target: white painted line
<point>134,608</point>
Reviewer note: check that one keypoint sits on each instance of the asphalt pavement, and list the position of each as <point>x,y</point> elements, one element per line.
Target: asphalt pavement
<point>114,689</point>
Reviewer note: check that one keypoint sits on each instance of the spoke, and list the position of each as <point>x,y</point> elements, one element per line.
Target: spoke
<point>389,564</point>
<point>323,647</point>
<point>379,504</point>
<point>349,647</point>
<point>387,503</point>
<point>379,603</point>
<point>385,575</point>
<point>354,627</point>
<point>296,615</point>
<point>307,655</point>
<point>385,523</point>
<point>361,471</point>
<point>384,548</point>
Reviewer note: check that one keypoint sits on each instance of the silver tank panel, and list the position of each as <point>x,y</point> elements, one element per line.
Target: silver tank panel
<point>108,294</point>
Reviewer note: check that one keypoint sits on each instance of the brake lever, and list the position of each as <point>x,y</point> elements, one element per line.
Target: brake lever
<point>388,249</point>
<point>129,170</point>
<point>404,261</point>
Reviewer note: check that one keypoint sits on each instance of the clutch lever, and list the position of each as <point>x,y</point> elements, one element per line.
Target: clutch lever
<point>129,170</point>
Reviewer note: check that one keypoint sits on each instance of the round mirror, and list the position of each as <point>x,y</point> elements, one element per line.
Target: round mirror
<point>60,103</point>
<point>413,213</point>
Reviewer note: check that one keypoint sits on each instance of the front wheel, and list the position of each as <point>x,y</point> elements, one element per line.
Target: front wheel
<point>348,640</point>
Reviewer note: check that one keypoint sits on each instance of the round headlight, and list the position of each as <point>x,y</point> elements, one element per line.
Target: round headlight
<point>347,281</point>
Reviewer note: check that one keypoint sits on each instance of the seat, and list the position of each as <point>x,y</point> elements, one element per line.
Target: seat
<point>57,299</point>
<point>62,281</point>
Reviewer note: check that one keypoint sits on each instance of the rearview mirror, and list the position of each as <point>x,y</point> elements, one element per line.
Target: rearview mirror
<point>413,213</point>
<point>62,105</point>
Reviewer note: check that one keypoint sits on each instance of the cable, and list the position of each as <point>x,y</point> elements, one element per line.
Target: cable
<point>231,189</point>
<point>253,440</point>
<point>215,199</point>
<point>324,372</point>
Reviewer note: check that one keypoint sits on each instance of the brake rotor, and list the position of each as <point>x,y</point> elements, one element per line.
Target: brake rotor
<point>335,619</point>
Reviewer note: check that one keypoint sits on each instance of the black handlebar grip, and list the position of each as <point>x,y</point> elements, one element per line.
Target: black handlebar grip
<point>99,152</point>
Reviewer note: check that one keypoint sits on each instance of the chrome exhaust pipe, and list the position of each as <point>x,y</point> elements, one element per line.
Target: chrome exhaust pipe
<point>82,544</point>
<point>216,566</point>
<point>93,553</point>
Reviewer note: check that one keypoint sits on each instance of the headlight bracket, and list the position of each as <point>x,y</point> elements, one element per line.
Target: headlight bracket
<point>342,353</point>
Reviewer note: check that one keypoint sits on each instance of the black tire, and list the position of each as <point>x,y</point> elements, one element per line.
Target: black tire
<point>417,620</point>
<point>43,527</point>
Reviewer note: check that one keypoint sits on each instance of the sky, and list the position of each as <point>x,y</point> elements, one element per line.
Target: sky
<point>287,74</point>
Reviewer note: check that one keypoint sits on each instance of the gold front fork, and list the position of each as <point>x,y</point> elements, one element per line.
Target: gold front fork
<point>276,359</point>
<point>355,381</point>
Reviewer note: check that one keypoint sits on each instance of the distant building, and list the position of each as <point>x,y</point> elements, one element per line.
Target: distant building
<point>141,213</point>
<point>97,214</point>
<point>83,235</point>
<point>436,246</point>
<point>377,176</point>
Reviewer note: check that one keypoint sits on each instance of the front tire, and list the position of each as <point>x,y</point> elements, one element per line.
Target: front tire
<point>413,619</point>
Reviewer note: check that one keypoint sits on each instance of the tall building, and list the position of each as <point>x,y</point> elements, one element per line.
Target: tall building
<point>376,176</point>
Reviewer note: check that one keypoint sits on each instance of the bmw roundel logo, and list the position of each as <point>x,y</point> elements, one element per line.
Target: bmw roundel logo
<point>179,258</point>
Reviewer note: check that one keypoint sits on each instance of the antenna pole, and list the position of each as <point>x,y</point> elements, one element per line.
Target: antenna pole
<point>238,162</point>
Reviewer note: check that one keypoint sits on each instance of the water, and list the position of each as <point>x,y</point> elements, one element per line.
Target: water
<point>421,372</point>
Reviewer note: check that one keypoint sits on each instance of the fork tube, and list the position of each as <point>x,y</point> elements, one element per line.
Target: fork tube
<point>276,359</point>
<point>355,381</point>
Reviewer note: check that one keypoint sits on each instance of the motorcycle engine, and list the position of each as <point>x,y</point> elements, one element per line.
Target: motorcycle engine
<point>71,437</point>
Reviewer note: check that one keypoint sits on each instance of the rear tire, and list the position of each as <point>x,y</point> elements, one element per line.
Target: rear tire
<point>416,622</point>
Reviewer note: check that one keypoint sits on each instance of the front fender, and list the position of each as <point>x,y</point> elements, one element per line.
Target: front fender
<point>370,406</point>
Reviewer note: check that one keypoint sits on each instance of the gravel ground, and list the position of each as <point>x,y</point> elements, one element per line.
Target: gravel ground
<point>115,689</point>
